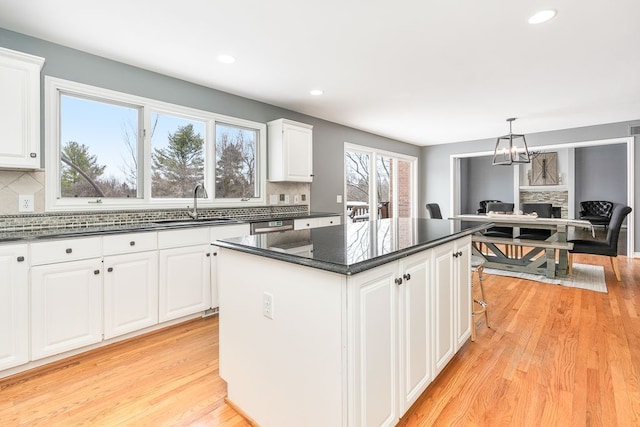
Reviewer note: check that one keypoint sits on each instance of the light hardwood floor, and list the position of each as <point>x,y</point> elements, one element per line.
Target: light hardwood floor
<point>555,356</point>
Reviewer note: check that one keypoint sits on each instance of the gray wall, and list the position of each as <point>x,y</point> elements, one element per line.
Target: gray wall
<point>485,182</point>
<point>328,137</point>
<point>434,160</point>
<point>601,174</point>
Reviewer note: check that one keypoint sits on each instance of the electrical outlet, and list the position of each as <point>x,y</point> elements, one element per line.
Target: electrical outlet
<point>267,305</point>
<point>304,197</point>
<point>286,199</point>
<point>282,197</point>
<point>25,203</point>
<point>273,199</point>
<point>296,199</point>
<point>339,198</point>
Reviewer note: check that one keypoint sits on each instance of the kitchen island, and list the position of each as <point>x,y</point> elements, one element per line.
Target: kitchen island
<point>345,325</point>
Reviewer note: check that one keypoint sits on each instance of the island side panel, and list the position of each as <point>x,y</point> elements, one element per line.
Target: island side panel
<point>288,370</point>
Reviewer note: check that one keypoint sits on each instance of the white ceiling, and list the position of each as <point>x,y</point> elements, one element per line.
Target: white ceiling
<point>420,71</point>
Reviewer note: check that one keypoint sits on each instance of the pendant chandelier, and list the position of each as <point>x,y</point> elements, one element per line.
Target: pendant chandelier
<point>511,148</point>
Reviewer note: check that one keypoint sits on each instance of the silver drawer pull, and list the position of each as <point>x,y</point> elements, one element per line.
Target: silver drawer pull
<point>132,243</point>
<point>20,258</point>
<point>69,250</point>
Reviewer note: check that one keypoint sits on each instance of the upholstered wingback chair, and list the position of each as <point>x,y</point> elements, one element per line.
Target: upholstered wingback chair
<point>597,212</point>
<point>607,247</point>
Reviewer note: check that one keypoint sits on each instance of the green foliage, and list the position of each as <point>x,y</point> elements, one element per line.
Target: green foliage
<point>73,184</point>
<point>177,168</point>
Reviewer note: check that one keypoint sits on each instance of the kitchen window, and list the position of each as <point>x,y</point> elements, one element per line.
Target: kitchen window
<point>110,150</point>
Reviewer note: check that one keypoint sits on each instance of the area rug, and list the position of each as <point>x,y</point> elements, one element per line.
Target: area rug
<point>589,277</point>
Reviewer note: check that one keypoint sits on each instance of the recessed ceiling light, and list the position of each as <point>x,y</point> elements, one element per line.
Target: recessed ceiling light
<point>542,16</point>
<point>316,92</point>
<point>226,59</point>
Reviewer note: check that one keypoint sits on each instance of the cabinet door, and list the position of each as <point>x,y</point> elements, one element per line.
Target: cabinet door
<point>374,296</point>
<point>185,281</point>
<point>462,275</point>
<point>414,328</point>
<point>443,305</point>
<point>130,292</point>
<point>66,306</point>
<point>222,232</point>
<point>298,152</point>
<point>14,310</point>
<point>20,109</point>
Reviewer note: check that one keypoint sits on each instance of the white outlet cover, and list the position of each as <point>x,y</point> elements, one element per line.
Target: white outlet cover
<point>25,203</point>
<point>286,199</point>
<point>273,199</point>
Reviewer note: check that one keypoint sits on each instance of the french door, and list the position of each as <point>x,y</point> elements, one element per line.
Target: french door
<point>378,184</point>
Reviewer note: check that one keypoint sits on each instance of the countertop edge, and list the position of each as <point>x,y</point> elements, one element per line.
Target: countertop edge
<point>349,270</point>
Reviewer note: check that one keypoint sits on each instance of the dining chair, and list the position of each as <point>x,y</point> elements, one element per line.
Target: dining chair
<point>500,231</point>
<point>544,210</point>
<point>434,210</point>
<point>607,247</point>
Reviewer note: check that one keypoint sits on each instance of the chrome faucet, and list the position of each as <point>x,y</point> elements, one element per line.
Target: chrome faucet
<point>194,214</point>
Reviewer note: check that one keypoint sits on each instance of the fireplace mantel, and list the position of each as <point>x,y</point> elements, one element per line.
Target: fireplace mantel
<point>544,188</point>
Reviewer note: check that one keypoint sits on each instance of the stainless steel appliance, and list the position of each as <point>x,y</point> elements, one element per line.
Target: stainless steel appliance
<point>271,226</point>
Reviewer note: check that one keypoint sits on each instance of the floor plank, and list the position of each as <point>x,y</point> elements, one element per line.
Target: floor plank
<point>553,356</point>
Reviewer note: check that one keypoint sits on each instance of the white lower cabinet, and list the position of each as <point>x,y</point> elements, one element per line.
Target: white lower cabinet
<point>130,282</point>
<point>222,232</point>
<point>375,318</point>
<point>184,273</point>
<point>415,328</point>
<point>451,299</point>
<point>66,306</point>
<point>409,318</point>
<point>130,292</point>
<point>462,283</point>
<point>14,306</point>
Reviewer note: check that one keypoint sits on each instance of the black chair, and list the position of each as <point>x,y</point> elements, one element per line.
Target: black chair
<point>483,205</point>
<point>544,210</point>
<point>607,247</point>
<point>597,212</point>
<point>499,231</point>
<point>434,210</point>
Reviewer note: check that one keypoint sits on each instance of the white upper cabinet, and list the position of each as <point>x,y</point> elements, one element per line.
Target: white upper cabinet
<point>19,110</point>
<point>290,151</point>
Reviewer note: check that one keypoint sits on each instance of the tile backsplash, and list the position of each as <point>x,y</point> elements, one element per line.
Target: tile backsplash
<point>15,183</point>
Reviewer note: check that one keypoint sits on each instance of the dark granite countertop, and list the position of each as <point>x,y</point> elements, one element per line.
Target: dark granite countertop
<point>33,234</point>
<point>354,247</point>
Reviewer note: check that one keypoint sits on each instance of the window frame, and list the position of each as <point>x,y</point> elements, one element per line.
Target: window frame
<point>53,202</point>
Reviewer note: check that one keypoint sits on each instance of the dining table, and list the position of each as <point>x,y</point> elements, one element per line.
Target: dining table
<point>549,257</point>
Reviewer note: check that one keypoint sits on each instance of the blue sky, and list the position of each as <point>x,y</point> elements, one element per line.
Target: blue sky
<point>101,127</point>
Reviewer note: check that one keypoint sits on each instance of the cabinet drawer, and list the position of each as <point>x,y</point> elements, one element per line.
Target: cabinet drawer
<point>129,243</point>
<point>305,223</point>
<point>328,221</point>
<point>65,250</point>
<point>183,237</point>
<point>226,231</point>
